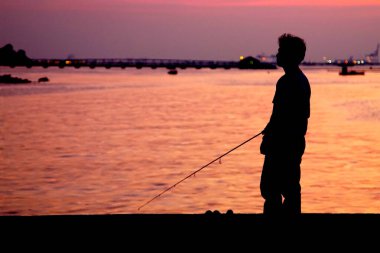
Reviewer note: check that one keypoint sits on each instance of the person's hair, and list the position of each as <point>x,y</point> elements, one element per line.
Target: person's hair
<point>294,46</point>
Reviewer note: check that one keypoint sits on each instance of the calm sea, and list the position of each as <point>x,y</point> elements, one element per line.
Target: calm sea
<point>106,141</point>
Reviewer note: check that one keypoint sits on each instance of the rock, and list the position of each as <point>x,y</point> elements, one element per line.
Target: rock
<point>43,79</point>
<point>13,80</point>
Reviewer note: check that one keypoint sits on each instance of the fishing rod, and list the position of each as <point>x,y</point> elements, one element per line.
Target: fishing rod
<point>193,173</point>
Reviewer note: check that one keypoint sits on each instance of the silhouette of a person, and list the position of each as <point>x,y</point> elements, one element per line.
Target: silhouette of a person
<point>283,141</point>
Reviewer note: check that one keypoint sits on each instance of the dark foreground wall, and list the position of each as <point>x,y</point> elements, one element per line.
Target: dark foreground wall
<point>314,231</point>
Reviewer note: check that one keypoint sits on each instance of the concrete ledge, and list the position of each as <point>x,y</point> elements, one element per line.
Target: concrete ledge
<point>181,221</point>
<point>178,232</point>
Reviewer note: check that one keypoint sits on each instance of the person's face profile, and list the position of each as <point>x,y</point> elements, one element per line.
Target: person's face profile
<point>279,57</point>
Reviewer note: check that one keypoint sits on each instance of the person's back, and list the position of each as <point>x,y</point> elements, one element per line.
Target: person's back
<point>284,136</point>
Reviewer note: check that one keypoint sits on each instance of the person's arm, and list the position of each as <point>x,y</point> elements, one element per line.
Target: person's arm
<point>265,145</point>
<point>274,118</point>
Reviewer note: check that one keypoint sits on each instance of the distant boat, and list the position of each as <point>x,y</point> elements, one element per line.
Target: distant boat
<point>345,72</point>
<point>173,72</point>
<point>352,72</point>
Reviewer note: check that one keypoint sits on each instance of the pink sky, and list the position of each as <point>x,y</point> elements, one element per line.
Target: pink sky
<point>261,2</point>
<point>214,3</point>
<point>192,29</point>
<point>114,4</point>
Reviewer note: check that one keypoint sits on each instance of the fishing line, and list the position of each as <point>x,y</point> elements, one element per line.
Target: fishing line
<point>193,173</point>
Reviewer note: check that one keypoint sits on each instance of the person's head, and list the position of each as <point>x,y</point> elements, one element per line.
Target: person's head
<point>291,51</point>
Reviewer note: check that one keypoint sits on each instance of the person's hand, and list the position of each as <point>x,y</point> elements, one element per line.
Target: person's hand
<point>264,146</point>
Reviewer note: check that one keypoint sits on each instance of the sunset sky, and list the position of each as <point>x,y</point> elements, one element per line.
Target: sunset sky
<point>187,29</point>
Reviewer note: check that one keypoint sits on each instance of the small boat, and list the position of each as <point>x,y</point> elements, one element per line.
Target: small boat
<point>173,72</point>
<point>352,72</point>
<point>344,72</point>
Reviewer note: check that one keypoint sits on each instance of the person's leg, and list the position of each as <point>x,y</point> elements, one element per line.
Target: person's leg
<point>291,187</point>
<point>269,186</point>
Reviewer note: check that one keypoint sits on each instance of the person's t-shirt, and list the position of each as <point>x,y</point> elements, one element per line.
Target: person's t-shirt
<point>291,107</point>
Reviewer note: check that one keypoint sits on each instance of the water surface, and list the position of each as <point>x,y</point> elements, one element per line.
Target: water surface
<point>106,141</point>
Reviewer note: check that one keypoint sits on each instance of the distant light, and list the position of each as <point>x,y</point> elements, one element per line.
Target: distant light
<point>67,62</point>
<point>329,61</point>
<point>241,57</point>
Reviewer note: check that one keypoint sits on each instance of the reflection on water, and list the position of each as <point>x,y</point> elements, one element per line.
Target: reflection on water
<point>106,141</point>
